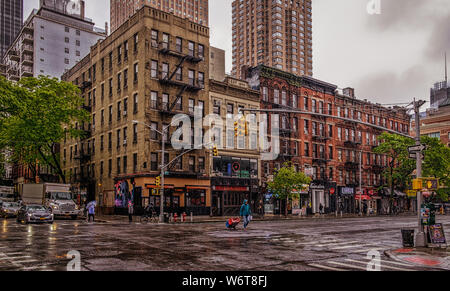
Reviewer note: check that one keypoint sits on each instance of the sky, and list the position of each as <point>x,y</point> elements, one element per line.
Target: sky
<point>390,57</point>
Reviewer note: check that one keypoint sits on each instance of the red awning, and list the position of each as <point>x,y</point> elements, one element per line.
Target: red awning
<point>363,197</point>
<point>231,188</point>
<point>196,188</point>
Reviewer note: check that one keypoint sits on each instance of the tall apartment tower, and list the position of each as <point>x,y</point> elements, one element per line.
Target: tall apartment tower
<point>11,18</point>
<point>195,10</point>
<point>275,33</point>
<point>52,40</point>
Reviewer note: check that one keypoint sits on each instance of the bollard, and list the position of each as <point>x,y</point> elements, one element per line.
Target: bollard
<point>192,217</point>
<point>171,218</point>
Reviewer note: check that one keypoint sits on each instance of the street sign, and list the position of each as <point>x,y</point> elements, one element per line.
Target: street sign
<point>417,184</point>
<point>411,193</point>
<point>418,148</point>
<point>413,156</point>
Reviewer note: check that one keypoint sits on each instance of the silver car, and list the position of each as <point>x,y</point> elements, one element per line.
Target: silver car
<point>9,209</point>
<point>34,213</point>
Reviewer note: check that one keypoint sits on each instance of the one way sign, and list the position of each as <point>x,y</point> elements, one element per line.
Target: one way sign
<point>417,148</point>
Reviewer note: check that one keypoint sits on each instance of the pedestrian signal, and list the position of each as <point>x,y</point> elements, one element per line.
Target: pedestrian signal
<point>158,181</point>
<point>215,151</point>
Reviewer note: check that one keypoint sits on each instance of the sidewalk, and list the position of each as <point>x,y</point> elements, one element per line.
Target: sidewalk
<point>437,259</point>
<point>208,219</point>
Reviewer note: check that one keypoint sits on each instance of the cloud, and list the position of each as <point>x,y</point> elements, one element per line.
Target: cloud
<point>390,87</point>
<point>439,41</point>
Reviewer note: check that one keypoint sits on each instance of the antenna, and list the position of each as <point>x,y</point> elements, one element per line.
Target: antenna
<point>446,81</point>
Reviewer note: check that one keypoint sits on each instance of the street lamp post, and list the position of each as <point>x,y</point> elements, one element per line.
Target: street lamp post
<point>163,166</point>
<point>420,237</point>
<point>360,182</point>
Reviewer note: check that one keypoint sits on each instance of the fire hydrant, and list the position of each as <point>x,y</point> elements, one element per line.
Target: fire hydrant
<point>175,216</point>
<point>184,217</point>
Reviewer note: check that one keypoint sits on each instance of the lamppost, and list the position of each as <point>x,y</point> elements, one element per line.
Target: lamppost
<point>360,182</point>
<point>163,166</point>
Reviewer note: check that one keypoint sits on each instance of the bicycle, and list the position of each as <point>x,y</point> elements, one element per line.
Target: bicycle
<point>152,218</point>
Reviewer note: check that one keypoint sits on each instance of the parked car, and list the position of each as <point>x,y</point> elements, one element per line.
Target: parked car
<point>34,213</point>
<point>9,209</point>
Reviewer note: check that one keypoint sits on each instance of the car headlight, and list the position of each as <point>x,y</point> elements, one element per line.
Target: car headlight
<point>55,207</point>
<point>77,207</point>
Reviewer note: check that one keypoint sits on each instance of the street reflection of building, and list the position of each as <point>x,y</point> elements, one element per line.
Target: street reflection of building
<point>235,172</point>
<point>327,148</point>
<point>151,68</point>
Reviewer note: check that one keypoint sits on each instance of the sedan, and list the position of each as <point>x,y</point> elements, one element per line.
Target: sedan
<point>34,213</point>
<point>9,209</point>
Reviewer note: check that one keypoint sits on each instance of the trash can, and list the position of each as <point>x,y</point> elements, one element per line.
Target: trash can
<point>408,237</point>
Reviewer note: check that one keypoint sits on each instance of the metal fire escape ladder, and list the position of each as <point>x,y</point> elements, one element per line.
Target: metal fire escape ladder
<point>178,97</point>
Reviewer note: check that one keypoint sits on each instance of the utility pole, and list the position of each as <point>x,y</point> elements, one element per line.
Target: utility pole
<point>163,151</point>
<point>420,237</point>
<point>360,182</point>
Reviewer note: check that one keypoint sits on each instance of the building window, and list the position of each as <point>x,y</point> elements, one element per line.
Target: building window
<point>135,74</point>
<point>154,162</point>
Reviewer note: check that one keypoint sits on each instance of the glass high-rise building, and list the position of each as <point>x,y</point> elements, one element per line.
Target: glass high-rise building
<point>194,10</point>
<point>275,33</point>
<point>11,19</point>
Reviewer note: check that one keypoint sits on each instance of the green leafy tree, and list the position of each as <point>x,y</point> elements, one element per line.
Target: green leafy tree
<point>436,164</point>
<point>287,183</point>
<point>35,115</point>
<point>399,169</point>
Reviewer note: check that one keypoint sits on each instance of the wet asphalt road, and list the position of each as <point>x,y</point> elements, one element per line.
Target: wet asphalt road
<point>299,245</point>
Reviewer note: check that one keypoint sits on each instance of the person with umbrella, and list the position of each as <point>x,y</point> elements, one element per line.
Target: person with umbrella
<point>91,210</point>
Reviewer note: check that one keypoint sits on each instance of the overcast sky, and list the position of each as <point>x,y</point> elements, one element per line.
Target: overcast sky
<point>391,57</point>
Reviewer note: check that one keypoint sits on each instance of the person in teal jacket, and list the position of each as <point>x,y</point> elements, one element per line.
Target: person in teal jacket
<point>245,212</point>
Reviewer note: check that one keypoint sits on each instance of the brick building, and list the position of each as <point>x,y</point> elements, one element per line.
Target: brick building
<point>436,123</point>
<point>274,33</point>
<point>327,148</point>
<point>196,11</point>
<point>154,66</point>
<point>236,171</point>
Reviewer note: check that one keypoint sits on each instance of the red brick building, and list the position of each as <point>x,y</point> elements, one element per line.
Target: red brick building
<point>327,147</point>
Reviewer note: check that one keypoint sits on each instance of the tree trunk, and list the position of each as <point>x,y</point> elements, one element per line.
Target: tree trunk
<point>286,207</point>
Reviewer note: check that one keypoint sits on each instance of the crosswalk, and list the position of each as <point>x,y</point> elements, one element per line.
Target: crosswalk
<point>361,264</point>
<point>331,244</point>
<point>19,261</point>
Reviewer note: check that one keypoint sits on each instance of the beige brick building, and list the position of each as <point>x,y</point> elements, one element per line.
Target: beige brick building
<point>196,11</point>
<point>149,69</point>
<point>274,33</point>
<point>236,172</point>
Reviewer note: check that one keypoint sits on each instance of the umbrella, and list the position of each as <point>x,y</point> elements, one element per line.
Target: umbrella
<point>92,203</point>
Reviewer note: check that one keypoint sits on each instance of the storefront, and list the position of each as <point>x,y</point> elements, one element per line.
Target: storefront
<point>346,199</point>
<point>318,197</point>
<point>234,180</point>
<point>190,195</point>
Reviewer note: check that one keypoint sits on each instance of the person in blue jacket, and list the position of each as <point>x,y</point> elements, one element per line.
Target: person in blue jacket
<point>245,212</point>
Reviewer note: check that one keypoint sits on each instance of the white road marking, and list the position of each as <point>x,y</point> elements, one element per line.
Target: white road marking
<point>347,265</point>
<point>368,250</point>
<point>19,257</point>
<point>12,254</point>
<point>25,261</point>
<point>34,268</point>
<point>316,242</point>
<point>347,247</point>
<point>382,266</point>
<point>394,263</point>
<point>325,267</point>
<point>336,244</point>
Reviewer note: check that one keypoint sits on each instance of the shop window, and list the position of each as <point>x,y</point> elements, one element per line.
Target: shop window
<point>196,198</point>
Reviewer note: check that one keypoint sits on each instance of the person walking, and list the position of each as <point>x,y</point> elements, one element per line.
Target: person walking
<point>91,212</point>
<point>245,212</point>
<point>320,209</point>
<point>130,211</point>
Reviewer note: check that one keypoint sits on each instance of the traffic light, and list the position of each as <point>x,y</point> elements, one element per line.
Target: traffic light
<point>417,184</point>
<point>246,128</point>
<point>236,128</point>
<point>215,151</point>
<point>158,181</point>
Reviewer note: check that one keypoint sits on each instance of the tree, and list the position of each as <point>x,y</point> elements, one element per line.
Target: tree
<point>287,183</point>
<point>400,167</point>
<point>436,164</point>
<point>35,115</point>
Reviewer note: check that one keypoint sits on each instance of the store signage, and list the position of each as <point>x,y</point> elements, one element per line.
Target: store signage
<point>316,186</point>
<point>236,166</point>
<point>231,188</point>
<point>437,235</point>
<point>347,191</point>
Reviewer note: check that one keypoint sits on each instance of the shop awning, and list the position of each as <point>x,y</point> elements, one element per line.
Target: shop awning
<point>231,188</point>
<point>159,187</point>
<point>363,197</point>
<point>197,187</point>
